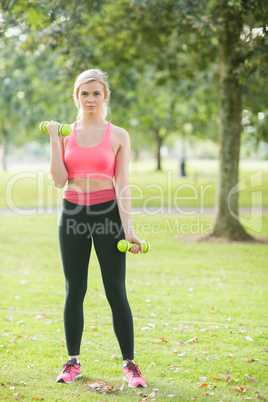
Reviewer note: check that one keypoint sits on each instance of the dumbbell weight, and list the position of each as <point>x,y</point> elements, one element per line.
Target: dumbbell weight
<point>64,129</point>
<point>123,245</point>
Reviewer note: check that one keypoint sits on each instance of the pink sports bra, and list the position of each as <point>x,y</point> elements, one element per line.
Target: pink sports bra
<point>96,162</point>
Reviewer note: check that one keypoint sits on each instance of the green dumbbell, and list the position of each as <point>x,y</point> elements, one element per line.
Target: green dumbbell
<point>124,245</point>
<point>64,129</point>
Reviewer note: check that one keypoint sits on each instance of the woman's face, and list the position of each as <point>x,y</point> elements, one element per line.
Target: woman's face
<point>91,97</point>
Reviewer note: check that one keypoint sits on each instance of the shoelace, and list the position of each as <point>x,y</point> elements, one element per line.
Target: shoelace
<point>67,367</point>
<point>134,368</point>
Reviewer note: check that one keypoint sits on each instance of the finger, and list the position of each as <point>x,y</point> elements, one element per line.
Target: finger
<point>134,249</point>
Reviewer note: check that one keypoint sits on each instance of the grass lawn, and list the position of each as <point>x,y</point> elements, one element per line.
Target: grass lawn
<point>200,316</point>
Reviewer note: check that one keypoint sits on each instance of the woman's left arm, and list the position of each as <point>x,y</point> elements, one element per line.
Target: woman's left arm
<point>122,190</point>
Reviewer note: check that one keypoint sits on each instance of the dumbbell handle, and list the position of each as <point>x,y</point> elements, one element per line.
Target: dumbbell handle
<point>124,245</point>
<point>63,129</point>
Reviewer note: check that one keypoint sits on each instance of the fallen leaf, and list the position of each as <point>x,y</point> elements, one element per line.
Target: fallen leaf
<point>265,350</point>
<point>202,385</point>
<point>192,340</point>
<point>248,338</point>
<point>182,327</point>
<point>202,378</point>
<point>252,379</point>
<point>215,378</point>
<point>228,379</point>
<point>240,389</point>
<point>142,394</point>
<point>160,340</point>
<point>249,360</point>
<point>116,357</point>
<point>197,359</point>
<point>101,386</point>
<point>37,398</point>
<point>209,393</point>
<point>121,388</point>
<point>17,395</point>
<point>175,369</point>
<point>230,356</point>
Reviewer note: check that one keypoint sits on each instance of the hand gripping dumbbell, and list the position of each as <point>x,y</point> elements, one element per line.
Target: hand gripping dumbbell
<point>124,245</point>
<point>64,129</point>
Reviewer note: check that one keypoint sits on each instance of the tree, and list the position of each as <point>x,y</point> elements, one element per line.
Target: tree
<point>179,39</point>
<point>31,88</point>
<point>233,55</point>
<point>241,53</point>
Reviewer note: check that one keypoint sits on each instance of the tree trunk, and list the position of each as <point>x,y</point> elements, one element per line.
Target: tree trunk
<point>182,162</point>
<point>4,137</point>
<point>159,141</point>
<point>230,131</point>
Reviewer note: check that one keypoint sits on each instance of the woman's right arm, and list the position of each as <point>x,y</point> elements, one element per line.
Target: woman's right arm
<point>58,171</point>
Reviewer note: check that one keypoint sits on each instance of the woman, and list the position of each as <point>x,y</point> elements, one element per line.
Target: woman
<point>95,154</point>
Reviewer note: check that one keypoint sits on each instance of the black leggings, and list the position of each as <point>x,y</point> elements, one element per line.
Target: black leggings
<point>78,225</point>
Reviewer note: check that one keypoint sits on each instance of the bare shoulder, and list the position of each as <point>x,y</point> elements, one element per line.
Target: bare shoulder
<point>119,139</point>
<point>120,133</point>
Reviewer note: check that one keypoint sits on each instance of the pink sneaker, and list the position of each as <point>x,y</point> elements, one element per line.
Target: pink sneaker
<point>71,371</point>
<point>133,375</point>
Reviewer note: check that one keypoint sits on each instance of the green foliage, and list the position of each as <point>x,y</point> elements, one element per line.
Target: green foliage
<point>160,55</point>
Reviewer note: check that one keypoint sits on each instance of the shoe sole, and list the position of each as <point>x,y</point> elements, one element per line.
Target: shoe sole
<point>134,386</point>
<point>69,382</point>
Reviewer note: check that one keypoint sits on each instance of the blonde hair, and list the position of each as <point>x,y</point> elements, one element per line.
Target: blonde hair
<point>88,76</point>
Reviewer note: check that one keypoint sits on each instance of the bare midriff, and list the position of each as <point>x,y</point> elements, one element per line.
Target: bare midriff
<point>86,184</point>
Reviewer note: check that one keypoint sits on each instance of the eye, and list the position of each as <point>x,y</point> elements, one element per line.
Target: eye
<point>97,93</point>
<point>84,93</point>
